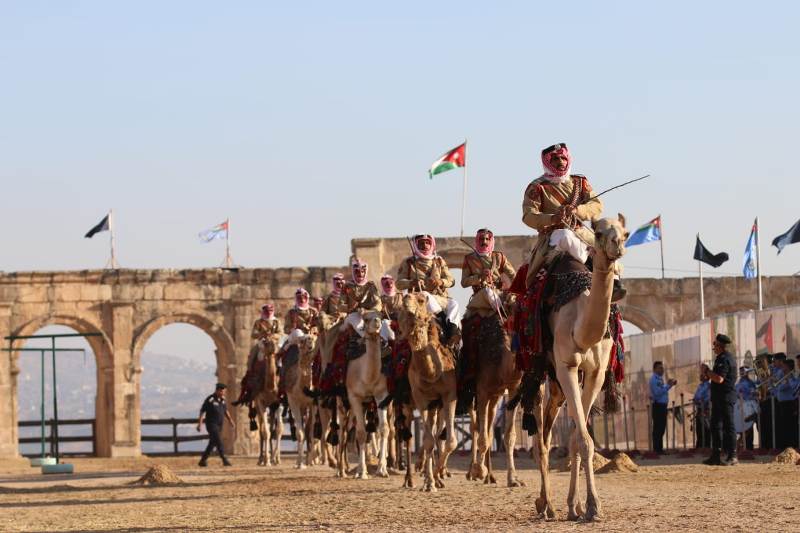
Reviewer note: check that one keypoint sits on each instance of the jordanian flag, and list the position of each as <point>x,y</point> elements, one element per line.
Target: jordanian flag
<point>455,158</point>
<point>650,232</point>
<point>220,231</point>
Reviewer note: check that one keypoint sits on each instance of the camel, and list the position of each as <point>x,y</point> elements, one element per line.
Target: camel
<point>365,382</point>
<point>268,408</point>
<point>298,378</point>
<point>496,373</point>
<point>432,376</point>
<point>333,419</point>
<point>579,328</point>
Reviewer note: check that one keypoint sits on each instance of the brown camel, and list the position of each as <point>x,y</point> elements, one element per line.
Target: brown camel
<point>496,374</point>
<point>268,407</point>
<point>297,378</point>
<point>432,376</point>
<point>579,329</point>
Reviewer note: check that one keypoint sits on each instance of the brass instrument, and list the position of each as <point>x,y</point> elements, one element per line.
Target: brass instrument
<point>764,374</point>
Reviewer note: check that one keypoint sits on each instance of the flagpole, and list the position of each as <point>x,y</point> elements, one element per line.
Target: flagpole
<point>758,268</point>
<point>228,260</point>
<point>113,242</point>
<point>702,295</point>
<point>661,241</point>
<point>464,190</point>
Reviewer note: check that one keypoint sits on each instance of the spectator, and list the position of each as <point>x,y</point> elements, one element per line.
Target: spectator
<point>702,410</point>
<point>659,395</point>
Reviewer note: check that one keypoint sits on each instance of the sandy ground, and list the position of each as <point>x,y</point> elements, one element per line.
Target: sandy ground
<point>666,495</point>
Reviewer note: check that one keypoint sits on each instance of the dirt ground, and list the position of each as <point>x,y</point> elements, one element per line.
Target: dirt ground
<point>669,494</point>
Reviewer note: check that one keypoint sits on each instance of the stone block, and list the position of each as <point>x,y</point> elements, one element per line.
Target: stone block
<point>154,292</point>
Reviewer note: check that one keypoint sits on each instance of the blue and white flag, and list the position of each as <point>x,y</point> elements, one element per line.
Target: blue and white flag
<point>650,232</point>
<point>220,231</point>
<point>749,265</point>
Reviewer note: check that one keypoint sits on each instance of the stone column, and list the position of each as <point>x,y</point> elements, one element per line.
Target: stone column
<point>123,410</point>
<point>9,434</point>
<point>244,442</point>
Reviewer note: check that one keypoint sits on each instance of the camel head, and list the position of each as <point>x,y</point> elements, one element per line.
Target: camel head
<point>415,321</point>
<point>372,324</point>
<point>325,321</point>
<point>307,345</point>
<point>610,236</point>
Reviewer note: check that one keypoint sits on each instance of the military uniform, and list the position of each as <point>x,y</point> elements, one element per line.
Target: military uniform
<point>435,278</point>
<point>723,398</point>
<point>358,299</point>
<point>392,305</point>
<point>263,329</point>
<point>540,210</point>
<point>299,319</point>
<point>214,410</point>
<point>485,299</point>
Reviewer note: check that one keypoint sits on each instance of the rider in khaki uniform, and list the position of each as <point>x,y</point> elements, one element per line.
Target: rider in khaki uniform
<point>391,299</point>
<point>483,270</point>
<point>359,296</point>
<point>266,327</point>
<point>332,304</point>
<point>556,205</point>
<point>300,319</point>
<point>427,272</point>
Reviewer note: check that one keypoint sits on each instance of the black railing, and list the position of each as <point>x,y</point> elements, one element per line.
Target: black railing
<point>50,438</point>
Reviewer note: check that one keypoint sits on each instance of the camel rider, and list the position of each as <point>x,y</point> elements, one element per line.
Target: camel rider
<point>483,270</point>
<point>556,204</point>
<point>427,272</point>
<point>300,319</point>
<point>332,304</point>
<point>266,328</point>
<point>391,299</point>
<point>360,296</point>
<point>316,303</point>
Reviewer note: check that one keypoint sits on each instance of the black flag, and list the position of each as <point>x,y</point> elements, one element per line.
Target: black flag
<point>790,237</point>
<point>101,226</point>
<point>702,254</point>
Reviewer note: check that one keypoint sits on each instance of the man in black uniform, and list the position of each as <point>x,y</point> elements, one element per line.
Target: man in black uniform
<point>723,398</point>
<point>214,411</point>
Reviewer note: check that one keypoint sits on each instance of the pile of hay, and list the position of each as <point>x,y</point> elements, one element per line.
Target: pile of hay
<point>787,457</point>
<point>598,462</point>
<point>619,463</point>
<point>158,475</point>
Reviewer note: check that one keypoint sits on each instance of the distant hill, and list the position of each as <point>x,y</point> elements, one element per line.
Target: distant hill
<point>171,387</point>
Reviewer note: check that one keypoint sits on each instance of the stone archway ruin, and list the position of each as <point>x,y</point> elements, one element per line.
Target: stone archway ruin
<point>127,306</point>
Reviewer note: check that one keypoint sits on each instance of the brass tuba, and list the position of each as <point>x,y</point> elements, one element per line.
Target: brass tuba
<point>764,374</point>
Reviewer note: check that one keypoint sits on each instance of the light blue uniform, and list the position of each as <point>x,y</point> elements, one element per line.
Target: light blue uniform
<point>746,389</point>
<point>702,396</point>
<point>659,391</point>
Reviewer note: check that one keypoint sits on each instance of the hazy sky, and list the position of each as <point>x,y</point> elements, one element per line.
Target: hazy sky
<point>311,123</point>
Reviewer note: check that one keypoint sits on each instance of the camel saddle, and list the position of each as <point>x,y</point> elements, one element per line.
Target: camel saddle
<point>557,283</point>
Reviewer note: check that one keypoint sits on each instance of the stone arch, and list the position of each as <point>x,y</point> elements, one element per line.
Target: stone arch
<point>104,359</point>
<point>101,346</point>
<point>223,341</point>
<point>639,318</point>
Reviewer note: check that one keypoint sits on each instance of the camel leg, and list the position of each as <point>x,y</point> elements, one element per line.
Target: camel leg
<point>263,436</point>
<point>449,413</point>
<point>473,429</point>
<point>429,418</point>
<point>278,435</point>
<point>581,442</point>
<point>299,430</point>
<point>357,411</point>
<point>408,482</point>
<point>592,383</point>
<point>510,440</point>
<point>479,470</point>
<point>546,412</point>
<point>383,440</point>
<point>491,413</point>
